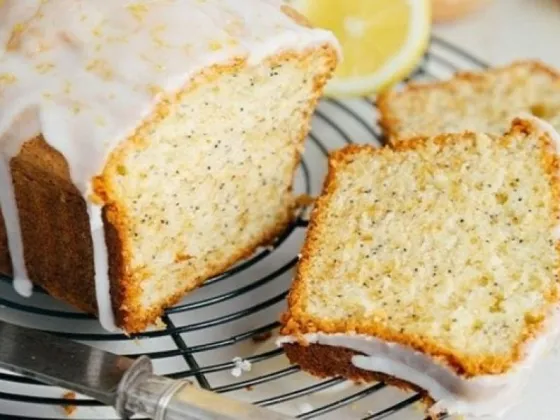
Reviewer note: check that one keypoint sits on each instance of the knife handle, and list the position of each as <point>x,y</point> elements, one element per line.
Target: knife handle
<point>161,398</point>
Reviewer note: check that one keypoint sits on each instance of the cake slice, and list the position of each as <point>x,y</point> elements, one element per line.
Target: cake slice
<point>433,266</point>
<point>146,146</point>
<point>484,101</point>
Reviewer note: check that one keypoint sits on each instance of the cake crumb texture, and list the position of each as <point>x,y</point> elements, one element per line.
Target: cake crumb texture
<point>199,186</point>
<point>446,245</point>
<point>483,101</point>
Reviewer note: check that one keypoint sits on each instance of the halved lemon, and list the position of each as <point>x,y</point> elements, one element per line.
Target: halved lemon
<point>382,40</point>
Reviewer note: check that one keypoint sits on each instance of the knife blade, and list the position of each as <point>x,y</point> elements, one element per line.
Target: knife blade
<point>128,385</point>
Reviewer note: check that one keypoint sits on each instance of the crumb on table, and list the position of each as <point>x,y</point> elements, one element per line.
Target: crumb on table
<point>259,338</point>
<point>68,408</point>
<point>304,200</point>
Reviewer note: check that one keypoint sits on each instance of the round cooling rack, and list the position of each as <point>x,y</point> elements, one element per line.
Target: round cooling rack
<point>236,313</point>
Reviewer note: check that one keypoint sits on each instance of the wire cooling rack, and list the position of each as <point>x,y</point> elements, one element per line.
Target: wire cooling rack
<point>234,314</point>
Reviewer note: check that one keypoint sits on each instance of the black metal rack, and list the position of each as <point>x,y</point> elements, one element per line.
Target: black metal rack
<point>239,307</point>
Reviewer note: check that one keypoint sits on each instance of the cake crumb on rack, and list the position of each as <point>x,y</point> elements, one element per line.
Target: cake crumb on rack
<point>268,248</point>
<point>304,200</point>
<point>159,324</point>
<point>261,337</point>
<point>68,408</point>
<point>241,365</point>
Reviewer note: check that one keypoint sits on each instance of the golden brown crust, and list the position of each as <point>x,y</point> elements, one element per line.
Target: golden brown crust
<point>328,361</point>
<point>43,186</point>
<point>296,322</point>
<point>389,122</point>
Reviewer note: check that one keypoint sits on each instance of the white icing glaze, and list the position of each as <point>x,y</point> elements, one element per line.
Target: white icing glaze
<point>9,210</point>
<point>489,395</point>
<point>100,258</point>
<point>86,73</point>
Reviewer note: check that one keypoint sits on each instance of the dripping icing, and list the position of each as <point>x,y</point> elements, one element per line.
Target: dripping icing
<point>91,79</point>
<point>478,396</point>
<point>21,281</point>
<point>100,263</point>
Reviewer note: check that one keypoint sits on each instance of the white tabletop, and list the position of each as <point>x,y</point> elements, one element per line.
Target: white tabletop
<point>509,29</point>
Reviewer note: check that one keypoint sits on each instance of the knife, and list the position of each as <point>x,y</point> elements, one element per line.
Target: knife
<point>128,385</point>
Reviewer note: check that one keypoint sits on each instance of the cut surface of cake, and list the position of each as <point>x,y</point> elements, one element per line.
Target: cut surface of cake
<point>148,145</point>
<point>433,266</point>
<point>484,101</point>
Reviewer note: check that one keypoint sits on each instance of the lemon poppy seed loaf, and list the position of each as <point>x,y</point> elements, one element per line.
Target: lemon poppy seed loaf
<point>483,101</point>
<point>434,265</point>
<point>148,145</point>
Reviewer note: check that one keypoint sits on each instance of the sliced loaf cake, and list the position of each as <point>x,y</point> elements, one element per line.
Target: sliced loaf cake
<point>434,266</point>
<point>146,146</point>
<point>484,101</point>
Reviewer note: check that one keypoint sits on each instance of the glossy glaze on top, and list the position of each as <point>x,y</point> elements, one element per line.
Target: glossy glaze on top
<point>86,73</point>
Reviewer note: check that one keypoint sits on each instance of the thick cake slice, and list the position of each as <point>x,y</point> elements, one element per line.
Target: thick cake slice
<point>434,265</point>
<point>483,101</point>
<point>147,145</point>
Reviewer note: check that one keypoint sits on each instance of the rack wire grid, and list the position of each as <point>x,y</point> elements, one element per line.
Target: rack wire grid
<point>236,313</point>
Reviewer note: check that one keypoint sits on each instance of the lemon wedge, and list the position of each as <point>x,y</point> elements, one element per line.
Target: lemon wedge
<point>382,40</point>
